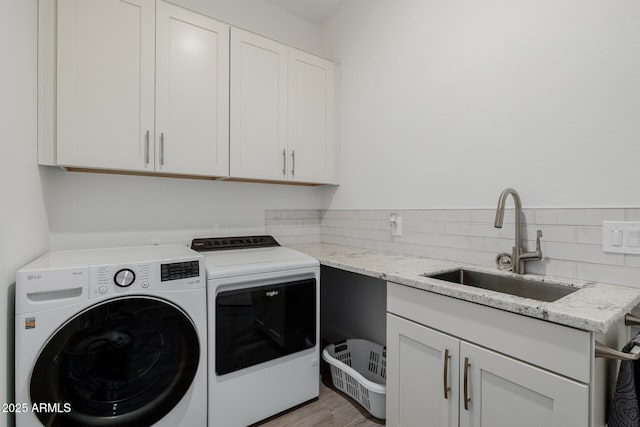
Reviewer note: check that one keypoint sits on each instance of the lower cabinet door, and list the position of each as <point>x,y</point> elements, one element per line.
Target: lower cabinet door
<point>422,375</point>
<point>503,392</point>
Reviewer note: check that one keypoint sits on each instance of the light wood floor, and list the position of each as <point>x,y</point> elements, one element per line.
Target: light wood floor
<point>332,409</point>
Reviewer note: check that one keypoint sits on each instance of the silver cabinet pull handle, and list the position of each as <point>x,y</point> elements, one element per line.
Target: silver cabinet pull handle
<point>284,162</point>
<point>467,399</point>
<point>146,148</point>
<point>161,148</point>
<point>293,162</point>
<point>446,374</point>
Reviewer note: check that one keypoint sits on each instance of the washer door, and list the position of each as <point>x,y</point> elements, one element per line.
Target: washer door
<point>123,362</point>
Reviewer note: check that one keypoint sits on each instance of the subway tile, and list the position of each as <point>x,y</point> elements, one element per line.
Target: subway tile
<point>372,214</point>
<point>576,216</point>
<point>342,214</point>
<point>632,214</point>
<point>631,260</point>
<point>445,240</point>
<point>308,239</point>
<point>608,274</point>
<point>581,253</point>
<point>312,221</point>
<point>372,224</point>
<point>268,214</point>
<point>490,245</point>
<point>551,233</point>
<point>363,233</point>
<point>280,222</point>
<point>589,235</point>
<point>293,231</point>
<point>477,230</point>
<point>447,215</point>
<point>409,237</point>
<point>470,256</point>
<point>423,226</point>
<point>488,215</point>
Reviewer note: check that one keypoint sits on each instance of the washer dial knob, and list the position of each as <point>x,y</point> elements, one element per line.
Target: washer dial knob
<point>124,277</point>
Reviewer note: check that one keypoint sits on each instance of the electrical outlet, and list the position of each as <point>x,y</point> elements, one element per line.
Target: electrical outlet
<point>395,221</point>
<point>622,237</point>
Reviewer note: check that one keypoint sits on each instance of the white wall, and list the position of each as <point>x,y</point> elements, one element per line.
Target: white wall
<point>121,210</point>
<point>94,209</point>
<point>445,103</point>
<point>23,223</point>
<point>264,18</point>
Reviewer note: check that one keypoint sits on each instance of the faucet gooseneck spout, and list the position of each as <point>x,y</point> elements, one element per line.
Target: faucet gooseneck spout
<point>519,256</point>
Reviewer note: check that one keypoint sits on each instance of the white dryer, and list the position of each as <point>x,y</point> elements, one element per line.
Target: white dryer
<point>112,337</point>
<point>264,322</point>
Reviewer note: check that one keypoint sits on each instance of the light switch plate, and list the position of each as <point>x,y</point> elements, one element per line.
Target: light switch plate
<point>622,237</point>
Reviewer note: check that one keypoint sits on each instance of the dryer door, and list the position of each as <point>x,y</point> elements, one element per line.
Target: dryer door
<point>124,362</point>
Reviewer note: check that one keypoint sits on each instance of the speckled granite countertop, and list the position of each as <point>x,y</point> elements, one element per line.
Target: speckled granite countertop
<point>594,307</point>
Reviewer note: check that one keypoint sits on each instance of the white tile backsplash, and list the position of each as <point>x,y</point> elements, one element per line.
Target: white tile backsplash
<point>632,214</point>
<point>575,216</point>
<point>571,242</point>
<point>589,235</point>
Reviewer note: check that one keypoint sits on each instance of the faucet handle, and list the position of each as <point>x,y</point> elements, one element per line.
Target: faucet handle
<point>538,248</point>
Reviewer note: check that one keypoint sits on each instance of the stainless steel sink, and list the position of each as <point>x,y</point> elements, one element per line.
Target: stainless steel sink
<point>518,286</point>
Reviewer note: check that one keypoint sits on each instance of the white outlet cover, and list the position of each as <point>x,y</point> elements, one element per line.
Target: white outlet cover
<point>621,237</point>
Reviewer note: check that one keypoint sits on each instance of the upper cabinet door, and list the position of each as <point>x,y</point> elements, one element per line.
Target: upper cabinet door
<point>258,107</point>
<point>312,140</point>
<point>192,93</point>
<point>105,83</point>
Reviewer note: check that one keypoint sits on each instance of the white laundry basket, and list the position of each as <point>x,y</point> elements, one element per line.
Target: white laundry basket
<point>359,369</point>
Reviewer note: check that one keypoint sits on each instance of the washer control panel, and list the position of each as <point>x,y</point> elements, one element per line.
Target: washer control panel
<point>179,270</point>
<point>115,279</point>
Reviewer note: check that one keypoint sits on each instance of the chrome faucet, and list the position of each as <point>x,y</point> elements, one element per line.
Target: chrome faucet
<point>518,254</point>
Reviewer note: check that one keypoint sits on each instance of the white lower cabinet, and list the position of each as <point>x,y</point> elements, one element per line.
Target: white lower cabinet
<point>453,363</point>
<point>501,391</point>
<point>437,380</point>
<point>422,365</point>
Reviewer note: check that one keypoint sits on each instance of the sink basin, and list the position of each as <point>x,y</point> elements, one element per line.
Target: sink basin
<point>521,287</point>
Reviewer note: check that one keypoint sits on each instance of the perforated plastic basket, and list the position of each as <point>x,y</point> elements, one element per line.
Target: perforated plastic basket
<point>359,369</point>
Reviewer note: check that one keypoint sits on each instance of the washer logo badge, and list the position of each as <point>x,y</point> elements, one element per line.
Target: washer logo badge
<point>271,293</point>
<point>30,323</point>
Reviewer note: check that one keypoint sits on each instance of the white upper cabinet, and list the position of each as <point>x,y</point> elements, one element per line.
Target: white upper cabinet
<point>192,93</point>
<point>258,140</point>
<point>105,75</point>
<point>149,86</point>
<point>111,55</point>
<point>312,98</point>
<point>282,112</point>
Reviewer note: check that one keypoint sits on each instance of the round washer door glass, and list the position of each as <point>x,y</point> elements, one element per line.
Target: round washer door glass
<point>123,362</point>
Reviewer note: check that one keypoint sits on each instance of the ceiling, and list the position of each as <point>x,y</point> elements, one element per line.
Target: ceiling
<point>316,11</point>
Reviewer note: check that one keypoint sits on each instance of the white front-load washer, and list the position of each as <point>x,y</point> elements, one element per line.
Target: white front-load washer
<point>112,337</point>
